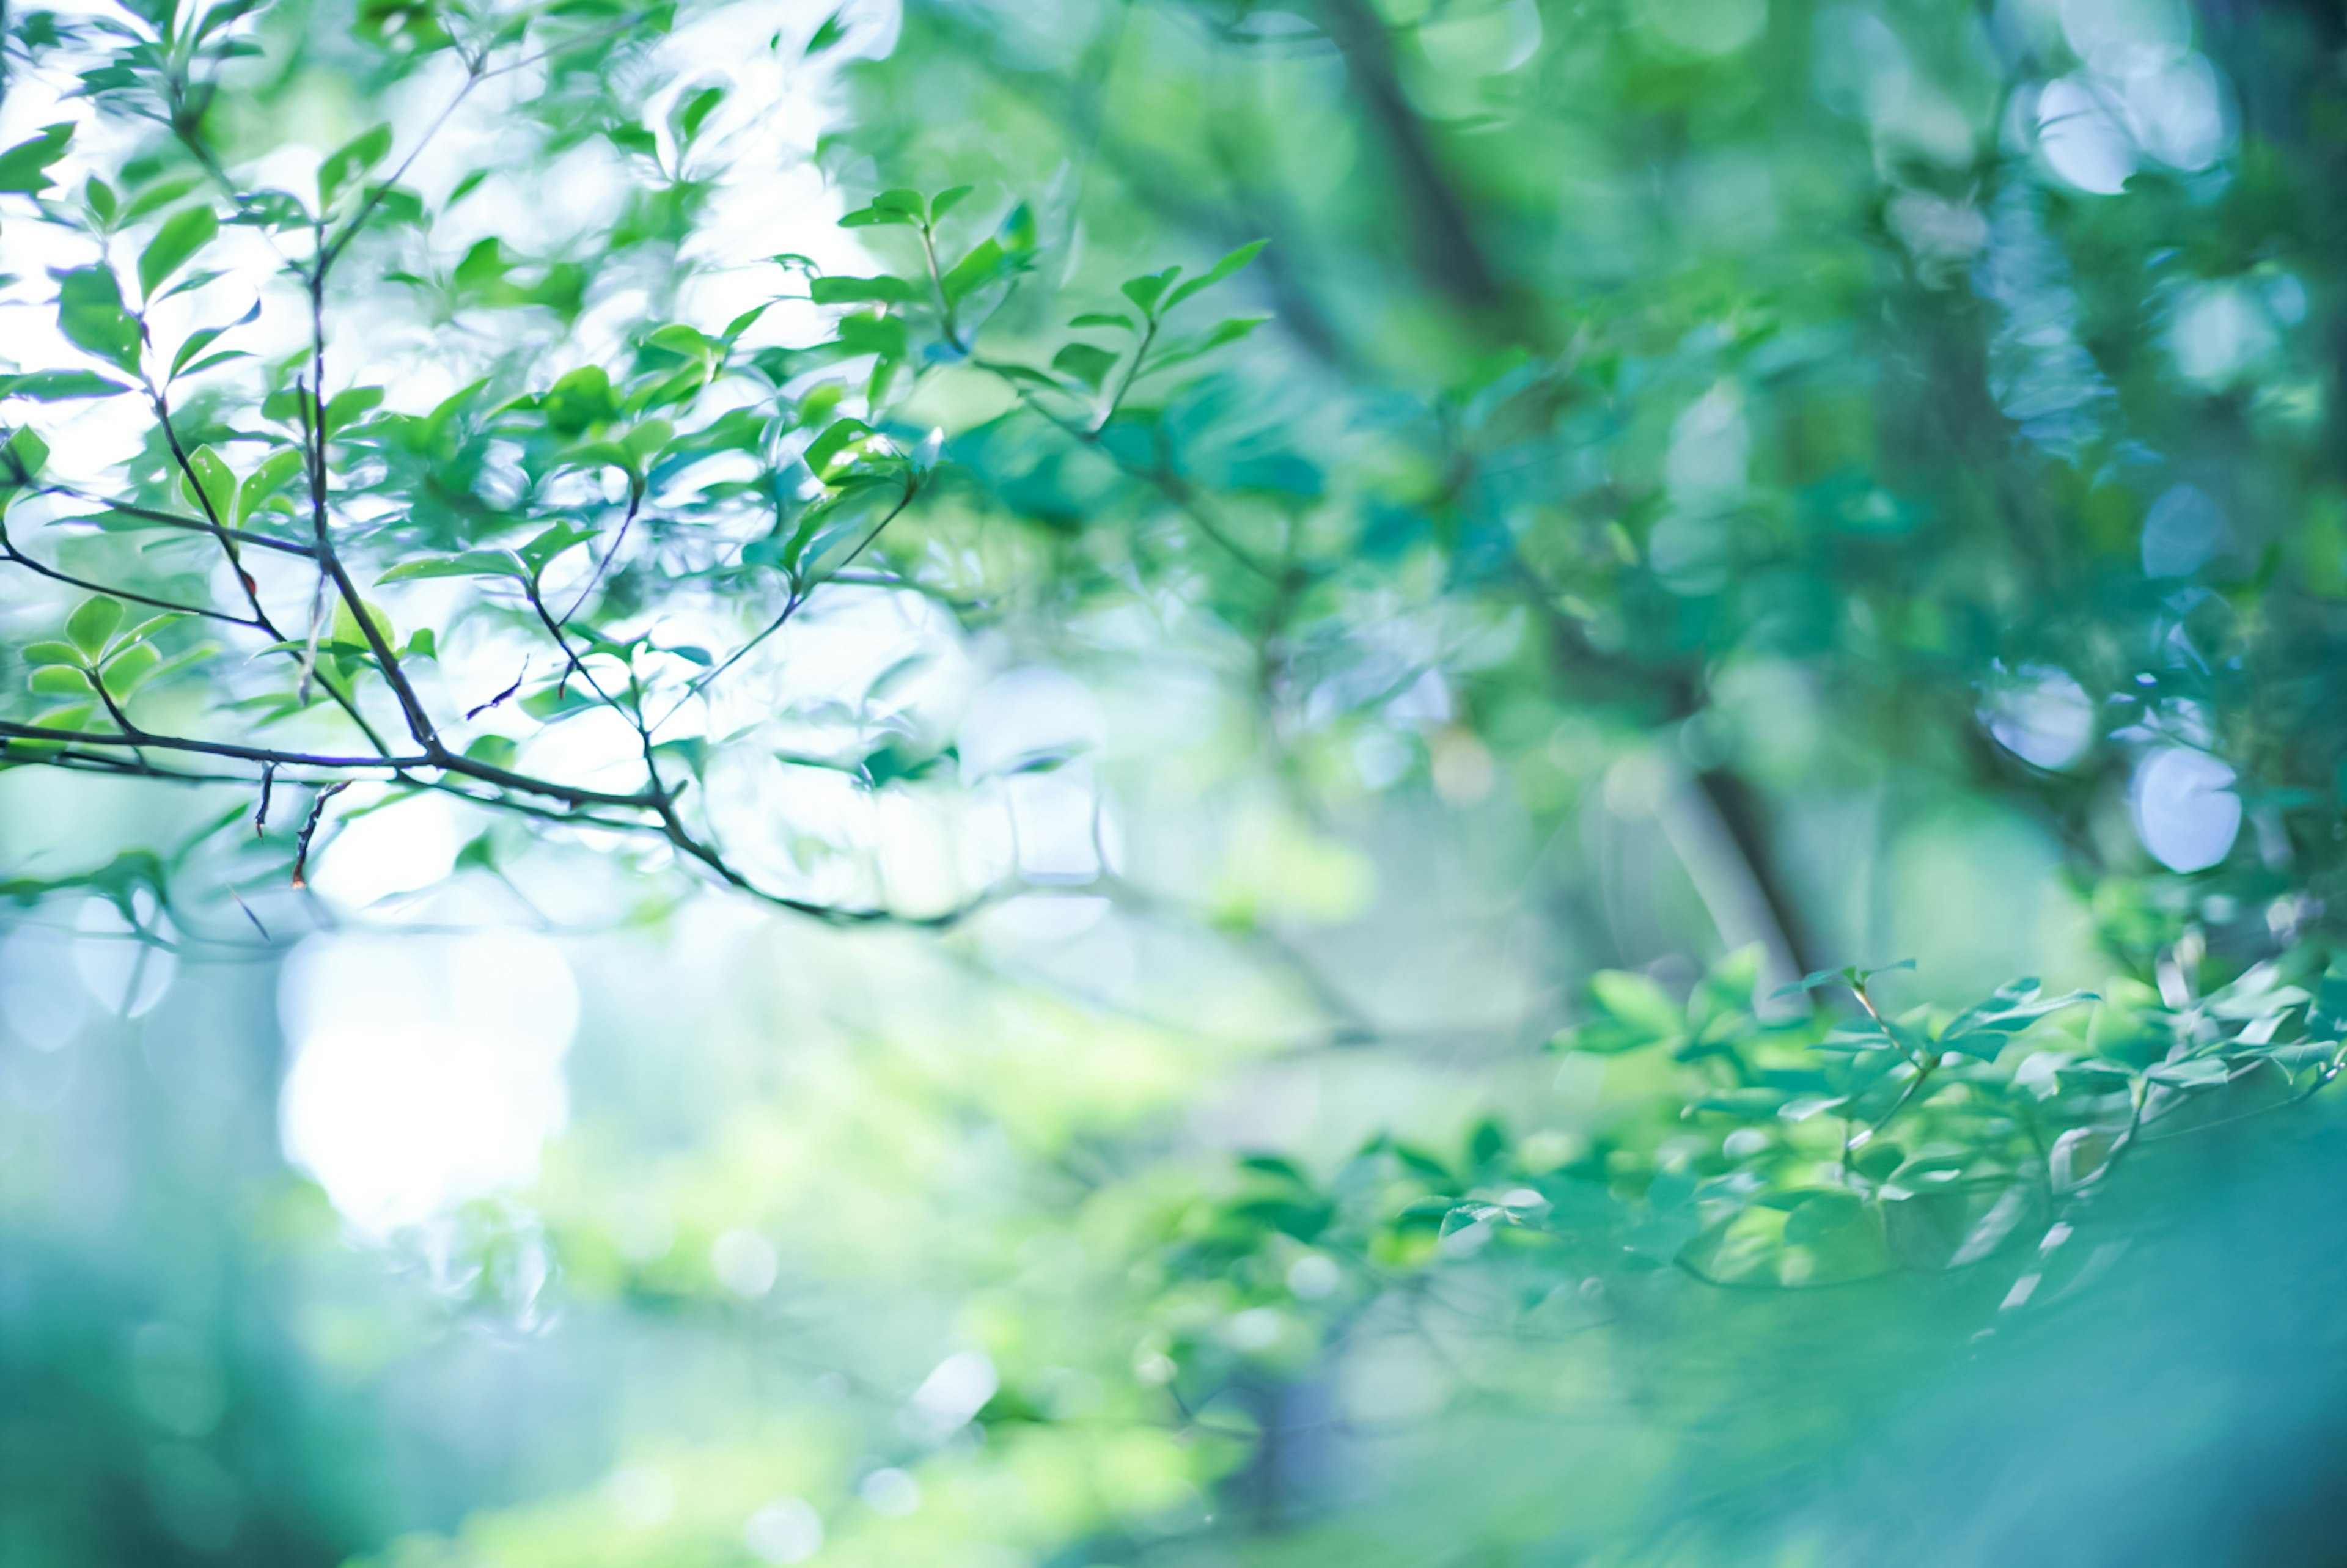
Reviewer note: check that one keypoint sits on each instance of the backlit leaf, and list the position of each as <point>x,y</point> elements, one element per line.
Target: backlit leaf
<point>92,623</point>
<point>23,168</point>
<point>183,234</point>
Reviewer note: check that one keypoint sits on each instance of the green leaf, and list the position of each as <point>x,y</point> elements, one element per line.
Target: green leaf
<point>125,672</point>
<point>580,401</point>
<point>59,385</point>
<point>59,680</point>
<point>24,455</point>
<point>985,263</point>
<point>871,333</point>
<point>562,289</point>
<point>177,662</point>
<point>204,337</point>
<point>1017,232</point>
<point>2255,996</point>
<point>91,624</point>
<point>189,283</point>
<point>694,112</point>
<point>1636,998</point>
<point>1146,290</point>
<point>1104,319</point>
<point>2201,1072</point>
<point>272,475</point>
<point>945,202</point>
<point>1850,976</point>
<point>645,441</point>
<point>834,29</point>
<point>472,563</point>
<point>23,167</point>
<point>1633,1012</point>
<point>1229,332</point>
<point>552,701</point>
<point>898,206</point>
<point>146,629</point>
<point>871,217</point>
<point>835,291</point>
<point>193,344</point>
<point>1724,999</point>
<point>1217,272</point>
<point>220,16</point>
<point>481,268</point>
<point>352,159</point>
<point>347,632</point>
<point>840,448</point>
<point>817,530</point>
<point>684,342</point>
<point>1086,364</point>
<point>600,455</point>
<point>1818,1219</point>
<point>90,314</point>
<point>1232,330</point>
<point>209,360</point>
<point>497,750</point>
<point>74,718</point>
<point>156,196</point>
<point>540,551</point>
<point>52,653</point>
<point>350,405</point>
<point>1983,1030</point>
<point>742,323</point>
<point>217,498</point>
<point>398,204</point>
<point>183,234</point>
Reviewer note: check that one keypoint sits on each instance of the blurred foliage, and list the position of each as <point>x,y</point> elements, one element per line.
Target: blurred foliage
<point>1357,605</point>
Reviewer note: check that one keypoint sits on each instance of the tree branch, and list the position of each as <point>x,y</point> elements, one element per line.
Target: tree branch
<point>798,596</point>
<point>172,520</point>
<point>9,552</point>
<point>11,730</point>
<point>1439,233</point>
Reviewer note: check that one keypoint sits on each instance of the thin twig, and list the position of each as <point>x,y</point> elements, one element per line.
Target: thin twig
<point>212,520</point>
<point>11,730</point>
<point>635,499</point>
<point>501,698</point>
<point>9,552</point>
<point>310,830</point>
<point>250,916</point>
<point>170,520</point>
<point>1168,483</point>
<point>799,596</point>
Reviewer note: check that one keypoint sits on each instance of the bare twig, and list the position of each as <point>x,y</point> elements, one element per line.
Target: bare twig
<point>798,596</point>
<point>250,916</point>
<point>635,500</point>
<point>501,698</point>
<point>310,830</point>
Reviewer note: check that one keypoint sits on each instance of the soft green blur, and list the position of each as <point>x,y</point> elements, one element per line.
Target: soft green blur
<point>1248,965</point>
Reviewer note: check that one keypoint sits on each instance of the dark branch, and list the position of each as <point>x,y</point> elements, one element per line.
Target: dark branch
<point>10,730</point>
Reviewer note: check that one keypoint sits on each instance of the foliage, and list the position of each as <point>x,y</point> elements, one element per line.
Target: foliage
<point>1561,522</point>
<point>495,484</point>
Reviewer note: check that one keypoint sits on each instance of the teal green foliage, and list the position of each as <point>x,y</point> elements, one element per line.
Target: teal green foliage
<point>1587,518</point>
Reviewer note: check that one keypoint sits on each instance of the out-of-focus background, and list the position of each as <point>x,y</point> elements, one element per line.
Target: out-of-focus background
<point>1726,489</point>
